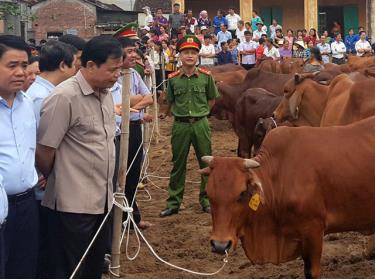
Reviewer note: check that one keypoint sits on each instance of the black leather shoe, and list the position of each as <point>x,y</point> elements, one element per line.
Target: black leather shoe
<point>168,212</point>
<point>207,209</point>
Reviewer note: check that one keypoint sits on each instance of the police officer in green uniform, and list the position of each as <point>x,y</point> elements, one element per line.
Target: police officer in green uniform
<point>191,95</point>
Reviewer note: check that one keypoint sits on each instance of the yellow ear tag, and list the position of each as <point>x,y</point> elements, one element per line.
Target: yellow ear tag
<point>254,202</point>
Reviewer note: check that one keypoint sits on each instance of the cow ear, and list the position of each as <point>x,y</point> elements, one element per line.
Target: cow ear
<point>205,171</point>
<point>294,102</point>
<point>256,187</point>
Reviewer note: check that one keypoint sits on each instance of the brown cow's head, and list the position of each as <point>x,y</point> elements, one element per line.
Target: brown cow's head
<point>262,128</point>
<point>289,107</point>
<point>231,184</point>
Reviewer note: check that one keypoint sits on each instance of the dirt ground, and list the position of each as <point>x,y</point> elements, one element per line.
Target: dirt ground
<point>183,239</point>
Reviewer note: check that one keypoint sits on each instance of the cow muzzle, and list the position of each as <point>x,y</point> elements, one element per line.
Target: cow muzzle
<point>220,247</point>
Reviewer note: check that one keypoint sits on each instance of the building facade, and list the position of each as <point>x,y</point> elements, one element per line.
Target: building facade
<point>298,14</point>
<point>85,18</point>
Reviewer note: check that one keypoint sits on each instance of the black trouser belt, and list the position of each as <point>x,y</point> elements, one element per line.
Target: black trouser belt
<point>21,196</point>
<point>136,122</point>
<point>188,119</point>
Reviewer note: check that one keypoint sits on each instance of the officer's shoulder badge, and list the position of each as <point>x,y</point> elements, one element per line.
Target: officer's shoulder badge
<point>174,74</point>
<point>204,71</point>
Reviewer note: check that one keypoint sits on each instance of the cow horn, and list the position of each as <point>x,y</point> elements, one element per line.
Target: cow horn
<point>251,164</point>
<point>207,159</point>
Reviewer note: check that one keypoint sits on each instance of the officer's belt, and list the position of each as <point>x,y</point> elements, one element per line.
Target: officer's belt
<point>190,120</point>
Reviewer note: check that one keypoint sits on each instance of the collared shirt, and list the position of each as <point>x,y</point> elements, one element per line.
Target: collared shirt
<point>362,45</point>
<point>210,49</point>
<point>189,96</point>
<point>273,30</point>
<point>224,57</point>
<point>176,20</point>
<point>232,21</point>
<point>248,58</point>
<point>324,48</point>
<point>3,202</point>
<point>38,91</point>
<point>80,124</point>
<point>223,37</point>
<point>17,144</point>
<point>137,87</point>
<point>338,49</point>
<point>285,52</point>
<point>159,20</point>
<point>273,52</point>
<point>254,22</point>
<point>218,21</point>
<point>350,43</point>
<point>258,34</point>
<point>240,34</point>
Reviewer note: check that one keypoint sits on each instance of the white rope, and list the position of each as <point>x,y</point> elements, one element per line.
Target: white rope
<point>90,245</point>
<point>127,225</point>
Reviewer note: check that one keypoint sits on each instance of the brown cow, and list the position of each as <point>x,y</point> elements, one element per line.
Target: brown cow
<point>224,68</point>
<point>349,100</point>
<point>304,101</point>
<point>281,204</point>
<point>285,66</point>
<point>230,77</point>
<point>252,105</point>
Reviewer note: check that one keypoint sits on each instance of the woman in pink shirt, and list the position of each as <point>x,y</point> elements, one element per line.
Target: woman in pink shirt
<point>290,38</point>
<point>163,35</point>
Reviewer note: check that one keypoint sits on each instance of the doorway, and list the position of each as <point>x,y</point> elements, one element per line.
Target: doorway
<point>327,16</point>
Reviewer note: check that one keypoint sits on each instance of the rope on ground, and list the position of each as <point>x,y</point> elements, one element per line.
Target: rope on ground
<point>129,222</point>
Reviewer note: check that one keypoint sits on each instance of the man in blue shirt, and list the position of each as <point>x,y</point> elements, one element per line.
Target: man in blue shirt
<point>223,35</point>
<point>56,64</point>
<point>140,99</point>
<point>218,20</point>
<point>17,159</point>
<point>350,41</point>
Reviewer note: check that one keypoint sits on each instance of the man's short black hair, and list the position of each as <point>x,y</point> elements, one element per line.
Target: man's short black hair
<point>126,42</point>
<point>337,34</point>
<point>13,42</point>
<point>73,40</point>
<point>222,44</point>
<point>261,41</point>
<point>360,33</point>
<point>99,49</point>
<point>33,59</point>
<point>247,32</point>
<point>176,4</point>
<point>53,53</point>
<point>207,36</point>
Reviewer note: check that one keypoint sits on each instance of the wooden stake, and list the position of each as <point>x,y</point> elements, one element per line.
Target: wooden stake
<point>124,149</point>
<point>155,107</point>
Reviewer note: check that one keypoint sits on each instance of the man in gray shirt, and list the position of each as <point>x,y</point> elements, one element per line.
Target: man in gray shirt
<point>176,20</point>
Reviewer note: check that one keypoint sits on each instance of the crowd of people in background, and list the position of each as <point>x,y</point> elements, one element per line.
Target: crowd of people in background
<point>226,38</point>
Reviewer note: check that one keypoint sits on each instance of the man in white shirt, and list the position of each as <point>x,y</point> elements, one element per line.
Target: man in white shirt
<point>362,46</point>
<point>338,50</point>
<point>233,20</point>
<point>247,51</point>
<point>325,49</point>
<point>271,51</point>
<point>207,52</point>
<point>273,27</point>
<point>240,32</point>
<point>257,34</point>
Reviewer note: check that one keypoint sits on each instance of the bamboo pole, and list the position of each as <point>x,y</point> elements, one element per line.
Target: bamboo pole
<point>124,149</point>
<point>155,105</point>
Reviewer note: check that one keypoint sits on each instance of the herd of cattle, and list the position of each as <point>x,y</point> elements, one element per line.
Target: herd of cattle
<point>315,176</point>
